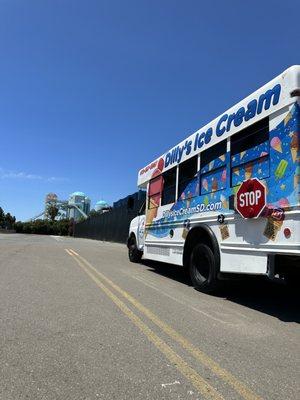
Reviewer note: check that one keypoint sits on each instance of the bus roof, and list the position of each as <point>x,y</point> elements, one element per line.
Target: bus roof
<point>273,96</point>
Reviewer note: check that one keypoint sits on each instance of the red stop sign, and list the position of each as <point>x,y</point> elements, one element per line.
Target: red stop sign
<point>251,198</point>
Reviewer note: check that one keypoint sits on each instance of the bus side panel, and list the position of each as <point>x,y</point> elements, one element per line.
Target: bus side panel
<point>277,166</point>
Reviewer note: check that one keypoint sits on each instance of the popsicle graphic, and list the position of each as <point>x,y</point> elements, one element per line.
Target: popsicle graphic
<point>235,189</point>
<point>248,171</point>
<point>211,165</point>
<point>276,144</point>
<point>242,153</point>
<point>281,168</point>
<point>294,146</point>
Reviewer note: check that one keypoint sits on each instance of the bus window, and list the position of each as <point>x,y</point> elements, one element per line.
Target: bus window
<point>250,153</point>
<point>213,168</point>
<point>169,187</point>
<point>154,192</point>
<point>187,181</point>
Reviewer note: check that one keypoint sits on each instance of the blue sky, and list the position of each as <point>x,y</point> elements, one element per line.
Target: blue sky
<point>93,90</point>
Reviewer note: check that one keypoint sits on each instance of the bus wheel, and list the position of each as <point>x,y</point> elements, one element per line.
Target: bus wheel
<point>134,253</point>
<point>202,269</point>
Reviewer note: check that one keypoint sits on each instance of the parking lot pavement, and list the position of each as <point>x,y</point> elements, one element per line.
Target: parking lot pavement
<point>79,321</point>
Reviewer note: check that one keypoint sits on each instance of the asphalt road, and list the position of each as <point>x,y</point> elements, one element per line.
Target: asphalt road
<point>79,321</point>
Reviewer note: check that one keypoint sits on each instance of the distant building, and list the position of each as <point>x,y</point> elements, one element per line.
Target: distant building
<point>101,205</point>
<point>78,201</point>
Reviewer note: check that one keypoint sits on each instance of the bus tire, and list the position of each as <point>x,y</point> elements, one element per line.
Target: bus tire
<point>134,254</point>
<point>202,269</point>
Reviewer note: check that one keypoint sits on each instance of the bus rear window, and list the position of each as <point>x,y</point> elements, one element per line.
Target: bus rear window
<point>250,153</point>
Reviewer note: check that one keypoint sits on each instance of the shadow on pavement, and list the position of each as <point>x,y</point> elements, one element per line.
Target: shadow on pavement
<point>259,293</point>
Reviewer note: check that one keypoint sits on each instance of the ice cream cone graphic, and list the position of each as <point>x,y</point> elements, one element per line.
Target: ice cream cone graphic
<point>276,144</point>
<point>214,186</point>
<point>248,171</point>
<point>224,201</point>
<point>287,118</point>
<point>154,201</point>
<point>242,153</point>
<point>295,146</point>
<point>222,157</point>
<point>205,184</point>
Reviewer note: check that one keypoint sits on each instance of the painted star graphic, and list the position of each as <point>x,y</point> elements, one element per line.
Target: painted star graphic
<point>282,187</point>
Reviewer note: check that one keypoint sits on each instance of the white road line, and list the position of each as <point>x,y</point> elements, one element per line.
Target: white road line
<point>57,238</point>
<point>182,302</point>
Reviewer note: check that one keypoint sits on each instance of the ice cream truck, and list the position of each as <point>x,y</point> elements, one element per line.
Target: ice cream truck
<point>226,199</point>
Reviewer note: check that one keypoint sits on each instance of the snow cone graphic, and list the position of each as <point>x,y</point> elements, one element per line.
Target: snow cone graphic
<point>154,201</point>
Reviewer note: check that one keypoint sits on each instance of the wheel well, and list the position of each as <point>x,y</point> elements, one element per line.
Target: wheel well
<point>201,234</point>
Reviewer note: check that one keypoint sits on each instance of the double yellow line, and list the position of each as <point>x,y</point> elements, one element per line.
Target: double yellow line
<point>193,376</point>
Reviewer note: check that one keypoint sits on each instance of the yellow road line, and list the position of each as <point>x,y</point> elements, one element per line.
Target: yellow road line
<point>222,373</point>
<point>198,382</point>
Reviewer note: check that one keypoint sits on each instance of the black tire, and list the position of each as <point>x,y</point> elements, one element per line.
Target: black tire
<point>202,269</point>
<point>134,253</point>
<point>292,280</point>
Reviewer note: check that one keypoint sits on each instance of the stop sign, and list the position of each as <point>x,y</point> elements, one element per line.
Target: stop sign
<point>251,198</point>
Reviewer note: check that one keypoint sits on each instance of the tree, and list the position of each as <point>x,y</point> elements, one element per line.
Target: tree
<point>52,211</point>
<point>2,217</point>
<point>9,221</point>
